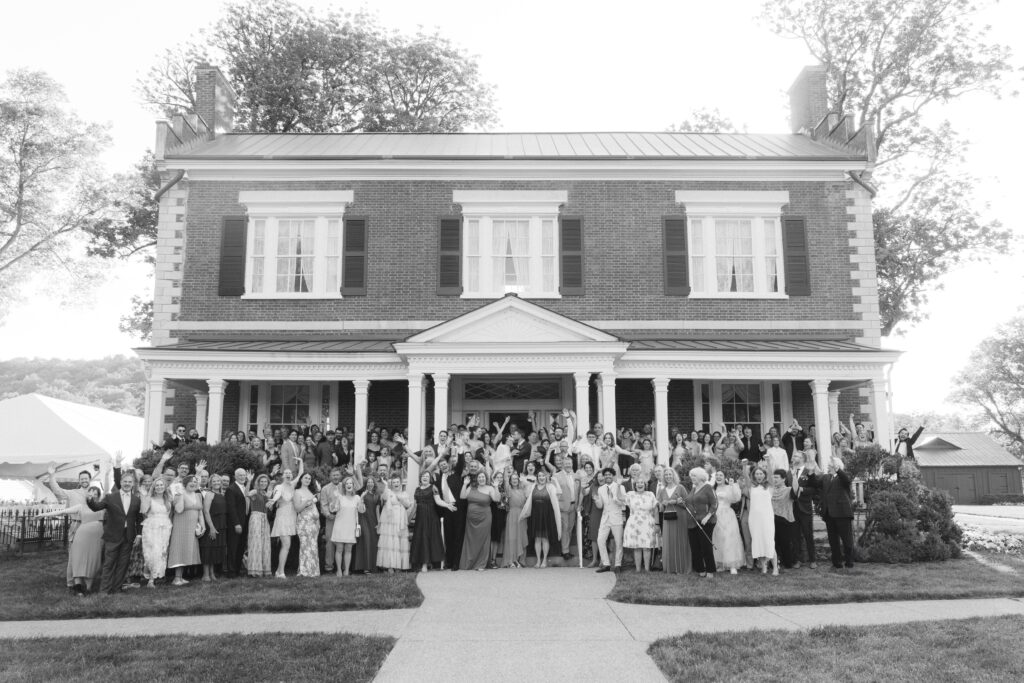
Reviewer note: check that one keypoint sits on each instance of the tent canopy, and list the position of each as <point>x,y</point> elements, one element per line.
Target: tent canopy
<point>39,430</point>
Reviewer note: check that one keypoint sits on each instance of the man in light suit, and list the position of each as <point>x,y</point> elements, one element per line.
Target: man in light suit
<point>612,501</point>
<point>567,484</point>
<point>119,526</point>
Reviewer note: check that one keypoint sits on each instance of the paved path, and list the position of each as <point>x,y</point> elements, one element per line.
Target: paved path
<point>1007,519</point>
<point>523,625</point>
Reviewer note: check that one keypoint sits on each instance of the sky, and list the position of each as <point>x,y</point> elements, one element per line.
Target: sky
<point>565,65</point>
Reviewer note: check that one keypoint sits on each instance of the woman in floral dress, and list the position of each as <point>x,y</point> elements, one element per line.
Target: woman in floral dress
<point>640,532</point>
<point>393,544</point>
<point>307,526</point>
<point>258,550</point>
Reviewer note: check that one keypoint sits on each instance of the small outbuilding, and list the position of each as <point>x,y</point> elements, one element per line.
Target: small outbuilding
<point>968,465</point>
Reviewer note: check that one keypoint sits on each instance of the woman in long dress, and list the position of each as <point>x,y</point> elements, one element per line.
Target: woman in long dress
<point>541,508</point>
<point>675,540</point>
<point>213,546</point>
<point>514,552</point>
<point>393,543</point>
<point>499,515</point>
<point>307,526</point>
<point>477,541</point>
<point>187,526</point>
<point>639,533</point>
<point>761,519</point>
<point>346,507</point>
<point>285,517</point>
<point>727,539</point>
<point>364,555</point>
<point>258,549</point>
<point>156,530</point>
<point>427,546</point>
<point>85,557</point>
<point>785,522</point>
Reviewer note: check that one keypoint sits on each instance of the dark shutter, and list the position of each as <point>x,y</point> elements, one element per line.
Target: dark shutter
<point>449,259</point>
<point>232,256</point>
<point>677,265</point>
<point>353,266</point>
<point>794,244</point>
<point>571,245</point>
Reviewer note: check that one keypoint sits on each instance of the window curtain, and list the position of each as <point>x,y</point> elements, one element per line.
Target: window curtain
<point>511,248</point>
<point>734,250</point>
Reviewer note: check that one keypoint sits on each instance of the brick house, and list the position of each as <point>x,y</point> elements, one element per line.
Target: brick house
<point>414,279</point>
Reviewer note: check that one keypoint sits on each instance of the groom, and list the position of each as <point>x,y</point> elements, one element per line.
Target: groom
<point>122,509</point>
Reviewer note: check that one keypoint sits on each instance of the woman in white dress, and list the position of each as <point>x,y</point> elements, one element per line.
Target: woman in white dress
<point>156,529</point>
<point>393,542</point>
<point>726,536</point>
<point>762,519</point>
<point>346,506</point>
<point>286,517</point>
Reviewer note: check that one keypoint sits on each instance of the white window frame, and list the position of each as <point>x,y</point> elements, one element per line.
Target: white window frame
<point>321,207</point>
<point>479,211</point>
<point>316,398</point>
<point>757,207</point>
<point>785,400</point>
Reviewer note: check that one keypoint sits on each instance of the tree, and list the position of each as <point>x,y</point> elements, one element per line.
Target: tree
<point>296,70</point>
<point>129,228</point>
<point>705,120</point>
<point>892,64</point>
<point>115,383</point>
<point>48,189</point>
<point>994,382</point>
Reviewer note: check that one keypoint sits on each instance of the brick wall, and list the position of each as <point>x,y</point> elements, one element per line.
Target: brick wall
<point>623,252</point>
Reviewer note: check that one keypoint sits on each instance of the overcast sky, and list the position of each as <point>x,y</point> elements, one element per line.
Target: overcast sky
<point>558,66</point>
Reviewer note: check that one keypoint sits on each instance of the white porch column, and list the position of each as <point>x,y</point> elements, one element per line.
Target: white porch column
<point>582,402</point>
<point>362,392</point>
<point>202,402</point>
<point>833,413</point>
<point>599,383</point>
<point>606,399</point>
<point>415,428</point>
<point>660,385</point>
<point>154,412</point>
<point>441,380</point>
<point>819,390</point>
<point>880,416</point>
<point>215,423</point>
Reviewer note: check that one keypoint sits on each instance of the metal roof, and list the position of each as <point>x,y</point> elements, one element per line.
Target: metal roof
<point>962,449</point>
<point>595,146</point>
<point>278,345</point>
<point>746,345</point>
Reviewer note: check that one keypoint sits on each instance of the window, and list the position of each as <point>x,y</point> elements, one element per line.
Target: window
<point>510,243</point>
<point>289,405</point>
<point>758,405</point>
<point>294,244</point>
<point>735,243</point>
<point>284,406</point>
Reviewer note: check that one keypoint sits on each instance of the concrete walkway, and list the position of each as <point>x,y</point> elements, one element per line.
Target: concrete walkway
<point>527,624</point>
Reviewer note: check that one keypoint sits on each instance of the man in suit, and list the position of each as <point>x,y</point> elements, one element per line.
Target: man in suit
<point>237,499</point>
<point>119,528</point>
<point>793,440</point>
<point>836,510</point>
<point>753,449</point>
<point>905,443</point>
<point>612,501</point>
<point>803,508</point>
<point>566,480</point>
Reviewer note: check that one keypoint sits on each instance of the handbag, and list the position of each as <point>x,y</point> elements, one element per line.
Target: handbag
<point>670,514</point>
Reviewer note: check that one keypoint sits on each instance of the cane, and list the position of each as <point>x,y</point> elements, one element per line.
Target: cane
<point>687,508</point>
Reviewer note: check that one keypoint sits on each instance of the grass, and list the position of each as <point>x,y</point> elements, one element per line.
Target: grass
<point>983,649</point>
<point>33,586</point>
<point>237,657</point>
<point>970,577</point>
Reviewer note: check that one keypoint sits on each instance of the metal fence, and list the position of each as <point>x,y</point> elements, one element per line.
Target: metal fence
<point>21,529</point>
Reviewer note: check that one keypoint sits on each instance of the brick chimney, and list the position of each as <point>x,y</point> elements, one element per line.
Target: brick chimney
<point>808,99</point>
<point>215,100</point>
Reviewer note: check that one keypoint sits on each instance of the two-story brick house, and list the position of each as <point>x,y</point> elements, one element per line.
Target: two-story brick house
<point>416,279</point>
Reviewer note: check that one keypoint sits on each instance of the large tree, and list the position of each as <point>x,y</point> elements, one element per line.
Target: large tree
<point>49,189</point>
<point>297,70</point>
<point>892,64</point>
<point>994,382</point>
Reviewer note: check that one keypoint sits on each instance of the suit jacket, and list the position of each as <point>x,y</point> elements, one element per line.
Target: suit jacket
<point>566,498</point>
<point>792,443</point>
<point>751,449</point>
<point>236,503</point>
<point>805,494</point>
<point>118,524</point>
<point>836,496</point>
<point>909,442</point>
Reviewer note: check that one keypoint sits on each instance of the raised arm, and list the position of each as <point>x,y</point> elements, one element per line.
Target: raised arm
<point>65,511</point>
<point>51,483</point>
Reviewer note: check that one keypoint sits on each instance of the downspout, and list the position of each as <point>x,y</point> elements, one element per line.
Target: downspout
<point>171,183</point>
<point>871,189</point>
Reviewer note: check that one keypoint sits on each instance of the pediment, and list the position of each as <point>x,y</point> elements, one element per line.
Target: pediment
<point>511,319</point>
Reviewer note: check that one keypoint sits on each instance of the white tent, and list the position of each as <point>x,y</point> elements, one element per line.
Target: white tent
<point>40,430</point>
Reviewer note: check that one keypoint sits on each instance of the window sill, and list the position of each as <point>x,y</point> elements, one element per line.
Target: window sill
<point>745,296</point>
<point>521,296</point>
<point>293,296</point>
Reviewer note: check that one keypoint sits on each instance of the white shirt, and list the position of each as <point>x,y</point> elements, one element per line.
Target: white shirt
<point>776,459</point>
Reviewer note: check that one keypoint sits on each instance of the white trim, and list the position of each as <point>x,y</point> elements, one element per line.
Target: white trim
<point>733,202</point>
<point>312,296</point>
<point>746,296</point>
<point>509,202</point>
<point>297,202</point>
<point>363,325</point>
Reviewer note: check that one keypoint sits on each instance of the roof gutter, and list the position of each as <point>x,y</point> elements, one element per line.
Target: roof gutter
<point>855,177</point>
<point>170,183</point>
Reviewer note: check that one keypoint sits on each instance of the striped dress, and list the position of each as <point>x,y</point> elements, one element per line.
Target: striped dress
<point>258,563</point>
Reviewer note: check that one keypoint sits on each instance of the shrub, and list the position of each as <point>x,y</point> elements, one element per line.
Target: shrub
<point>864,462</point>
<point>220,458</point>
<point>1002,499</point>
<point>908,522</point>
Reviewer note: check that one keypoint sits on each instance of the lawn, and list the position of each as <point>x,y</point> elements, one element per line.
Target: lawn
<point>33,586</point>
<point>970,577</point>
<point>984,649</point>
<point>238,657</point>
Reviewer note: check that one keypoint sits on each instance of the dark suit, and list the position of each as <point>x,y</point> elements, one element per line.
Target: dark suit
<point>751,449</point>
<point>792,443</point>
<point>119,528</point>
<point>837,511</point>
<point>803,512</point>
<point>909,443</point>
<point>238,515</point>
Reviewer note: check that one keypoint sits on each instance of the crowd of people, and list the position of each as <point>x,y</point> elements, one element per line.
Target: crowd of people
<point>484,498</point>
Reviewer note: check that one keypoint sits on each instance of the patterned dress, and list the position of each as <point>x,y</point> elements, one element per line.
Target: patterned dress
<point>156,535</point>
<point>308,527</point>
<point>284,519</point>
<point>258,552</point>
<point>393,545</point>
<point>640,531</point>
<point>184,548</point>
<point>728,542</point>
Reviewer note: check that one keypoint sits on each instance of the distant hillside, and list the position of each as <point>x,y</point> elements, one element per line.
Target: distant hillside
<point>115,383</point>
